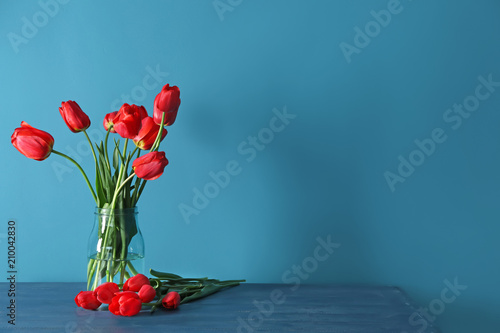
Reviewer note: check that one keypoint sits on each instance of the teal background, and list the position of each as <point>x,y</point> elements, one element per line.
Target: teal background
<point>323,174</point>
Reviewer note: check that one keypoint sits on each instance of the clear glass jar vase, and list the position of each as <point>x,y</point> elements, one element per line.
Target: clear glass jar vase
<point>115,247</point>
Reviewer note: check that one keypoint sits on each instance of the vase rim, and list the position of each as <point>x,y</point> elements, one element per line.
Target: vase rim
<point>120,211</point>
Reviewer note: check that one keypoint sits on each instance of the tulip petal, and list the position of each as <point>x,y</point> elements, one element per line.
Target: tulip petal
<point>114,307</point>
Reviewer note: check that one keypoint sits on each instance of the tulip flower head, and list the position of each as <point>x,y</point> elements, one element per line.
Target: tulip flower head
<point>135,282</point>
<point>108,121</point>
<point>106,291</point>
<point>31,142</point>
<point>128,120</point>
<point>150,166</point>
<point>171,300</point>
<point>147,293</point>
<point>168,102</point>
<point>125,303</point>
<point>74,117</point>
<point>87,300</point>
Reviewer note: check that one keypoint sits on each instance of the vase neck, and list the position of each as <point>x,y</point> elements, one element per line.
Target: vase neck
<point>116,211</point>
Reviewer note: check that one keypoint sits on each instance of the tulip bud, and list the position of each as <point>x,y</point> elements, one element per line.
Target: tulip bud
<point>87,300</point>
<point>147,293</point>
<point>168,102</point>
<point>125,303</point>
<point>135,282</point>
<point>106,291</point>
<point>108,121</point>
<point>171,300</point>
<point>150,166</point>
<point>128,120</point>
<point>31,142</point>
<point>74,117</point>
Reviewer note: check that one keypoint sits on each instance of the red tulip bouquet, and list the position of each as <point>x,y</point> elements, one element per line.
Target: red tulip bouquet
<point>115,187</point>
<point>111,276</point>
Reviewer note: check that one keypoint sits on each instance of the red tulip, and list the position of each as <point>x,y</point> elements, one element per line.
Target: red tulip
<point>147,293</point>
<point>106,291</point>
<point>108,121</point>
<point>171,300</point>
<point>87,300</point>
<point>128,120</point>
<point>168,101</point>
<point>135,282</point>
<point>74,117</point>
<point>125,303</point>
<point>31,142</point>
<point>147,134</point>
<point>150,166</point>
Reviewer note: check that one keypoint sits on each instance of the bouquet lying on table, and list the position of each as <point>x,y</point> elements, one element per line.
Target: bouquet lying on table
<point>166,289</point>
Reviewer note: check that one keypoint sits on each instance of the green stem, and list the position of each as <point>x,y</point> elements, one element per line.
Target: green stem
<point>132,268</point>
<point>97,171</point>
<point>117,191</point>
<point>81,170</point>
<point>124,154</point>
<point>90,272</point>
<point>231,281</point>
<point>185,286</point>
<point>129,158</point>
<point>140,190</point>
<point>103,249</point>
<point>91,147</point>
<point>133,151</point>
<point>106,148</point>
<point>150,304</point>
<point>120,175</point>
<point>156,144</point>
<point>123,254</point>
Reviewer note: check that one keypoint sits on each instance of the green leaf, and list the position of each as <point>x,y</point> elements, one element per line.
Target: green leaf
<point>101,195</point>
<point>129,224</point>
<point>103,175</point>
<point>115,176</point>
<point>164,275</point>
<point>206,291</point>
<point>136,190</point>
<point>116,157</point>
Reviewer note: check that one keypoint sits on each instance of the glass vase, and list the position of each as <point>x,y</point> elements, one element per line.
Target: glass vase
<point>115,247</point>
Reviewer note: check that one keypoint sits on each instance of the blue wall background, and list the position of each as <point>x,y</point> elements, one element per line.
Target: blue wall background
<point>322,176</point>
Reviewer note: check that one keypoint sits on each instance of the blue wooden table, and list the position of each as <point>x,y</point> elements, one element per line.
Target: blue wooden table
<point>50,307</point>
